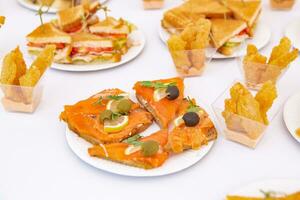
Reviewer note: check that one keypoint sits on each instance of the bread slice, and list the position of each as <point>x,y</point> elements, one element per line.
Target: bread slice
<point>164,110</point>
<point>247,11</point>
<point>209,8</point>
<point>47,33</point>
<point>83,119</point>
<point>110,25</point>
<point>118,152</point>
<point>84,39</point>
<point>224,29</point>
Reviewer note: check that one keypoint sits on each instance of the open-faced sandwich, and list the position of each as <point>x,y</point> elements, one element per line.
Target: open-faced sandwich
<point>147,152</point>
<point>81,37</point>
<point>107,117</point>
<point>162,98</point>
<point>60,4</point>
<point>191,129</point>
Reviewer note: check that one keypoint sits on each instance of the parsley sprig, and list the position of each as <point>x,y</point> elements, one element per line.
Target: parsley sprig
<point>271,194</point>
<point>133,140</point>
<point>157,85</point>
<point>192,106</point>
<point>110,97</point>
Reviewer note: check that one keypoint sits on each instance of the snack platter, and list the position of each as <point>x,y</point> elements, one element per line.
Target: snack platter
<point>187,98</point>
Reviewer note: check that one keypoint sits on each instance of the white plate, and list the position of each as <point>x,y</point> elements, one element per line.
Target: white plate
<point>31,6</point>
<point>291,114</point>
<point>137,36</point>
<point>292,31</point>
<point>261,38</point>
<point>286,186</point>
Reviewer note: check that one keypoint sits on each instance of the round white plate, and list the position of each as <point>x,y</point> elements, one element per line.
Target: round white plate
<point>291,115</point>
<point>139,41</point>
<point>261,38</point>
<point>292,31</point>
<point>174,164</point>
<point>286,186</point>
<point>31,6</point>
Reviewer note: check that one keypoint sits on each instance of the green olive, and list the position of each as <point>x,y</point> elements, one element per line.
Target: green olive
<point>150,148</point>
<point>106,114</point>
<point>124,106</point>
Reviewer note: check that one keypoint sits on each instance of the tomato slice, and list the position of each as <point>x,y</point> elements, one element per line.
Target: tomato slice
<point>115,35</point>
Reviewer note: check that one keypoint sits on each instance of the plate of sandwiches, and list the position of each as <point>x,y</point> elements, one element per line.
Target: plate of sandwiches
<point>84,42</point>
<point>52,6</point>
<point>234,24</point>
<point>160,133</point>
<point>277,189</point>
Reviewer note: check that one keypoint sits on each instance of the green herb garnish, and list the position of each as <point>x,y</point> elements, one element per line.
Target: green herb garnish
<point>98,102</point>
<point>110,97</point>
<point>157,85</point>
<point>271,194</point>
<point>133,140</point>
<point>192,107</point>
<point>115,116</point>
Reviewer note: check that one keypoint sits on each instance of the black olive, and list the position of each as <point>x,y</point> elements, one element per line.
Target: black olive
<point>173,92</point>
<point>191,119</point>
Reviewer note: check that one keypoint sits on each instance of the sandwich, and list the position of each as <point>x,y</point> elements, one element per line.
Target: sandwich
<point>107,117</point>
<point>208,8</point>
<point>228,34</point>
<point>192,128</point>
<point>48,34</point>
<point>247,11</point>
<point>176,19</point>
<point>76,19</point>
<point>191,11</point>
<point>87,47</point>
<point>146,153</point>
<point>117,30</point>
<point>161,98</point>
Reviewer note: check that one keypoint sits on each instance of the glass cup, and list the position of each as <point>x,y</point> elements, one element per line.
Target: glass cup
<point>16,98</point>
<point>282,4</point>
<point>256,74</point>
<point>153,4</point>
<point>238,128</point>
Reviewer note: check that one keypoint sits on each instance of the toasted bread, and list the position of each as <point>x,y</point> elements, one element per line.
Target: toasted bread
<point>117,152</point>
<point>224,29</point>
<point>72,19</point>
<point>47,33</point>
<point>83,119</point>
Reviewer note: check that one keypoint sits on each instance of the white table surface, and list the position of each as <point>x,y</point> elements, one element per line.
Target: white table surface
<point>36,162</point>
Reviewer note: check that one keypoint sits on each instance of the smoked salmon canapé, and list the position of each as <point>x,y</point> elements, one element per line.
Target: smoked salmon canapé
<point>191,129</point>
<point>161,98</point>
<point>147,152</point>
<point>107,117</point>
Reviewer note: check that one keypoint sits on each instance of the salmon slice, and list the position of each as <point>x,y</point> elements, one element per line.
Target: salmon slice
<point>117,152</point>
<point>182,137</point>
<point>83,119</point>
<point>164,110</point>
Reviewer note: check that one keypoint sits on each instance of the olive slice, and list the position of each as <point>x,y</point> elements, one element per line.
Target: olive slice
<point>149,148</point>
<point>191,119</point>
<point>173,92</point>
<point>105,115</point>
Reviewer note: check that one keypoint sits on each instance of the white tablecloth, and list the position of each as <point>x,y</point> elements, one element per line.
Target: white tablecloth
<point>36,162</point>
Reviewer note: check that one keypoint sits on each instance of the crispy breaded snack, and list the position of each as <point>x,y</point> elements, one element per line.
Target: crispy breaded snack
<point>254,56</point>
<point>283,48</point>
<point>284,60</point>
<point>9,70</point>
<point>45,58</point>
<point>177,49</point>
<point>265,97</point>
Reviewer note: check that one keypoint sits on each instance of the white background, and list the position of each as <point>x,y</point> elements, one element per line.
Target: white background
<point>36,163</point>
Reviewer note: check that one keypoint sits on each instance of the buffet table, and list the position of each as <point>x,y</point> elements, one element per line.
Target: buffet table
<point>37,163</point>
